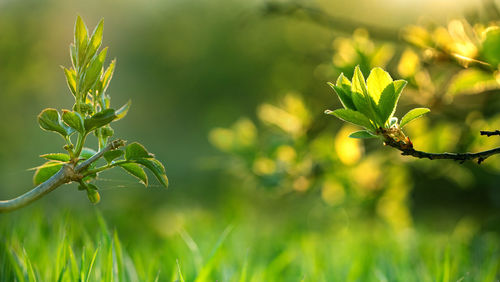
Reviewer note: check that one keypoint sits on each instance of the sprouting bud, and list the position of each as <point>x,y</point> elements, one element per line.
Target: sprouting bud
<point>85,108</point>
<point>107,131</point>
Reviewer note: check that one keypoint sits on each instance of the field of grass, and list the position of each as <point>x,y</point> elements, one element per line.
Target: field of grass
<point>201,245</point>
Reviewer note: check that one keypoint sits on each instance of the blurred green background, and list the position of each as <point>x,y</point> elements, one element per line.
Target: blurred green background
<point>192,66</point>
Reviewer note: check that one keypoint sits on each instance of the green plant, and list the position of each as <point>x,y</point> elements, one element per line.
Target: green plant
<point>92,113</point>
<point>372,105</point>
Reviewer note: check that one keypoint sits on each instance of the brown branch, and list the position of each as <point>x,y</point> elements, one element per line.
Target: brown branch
<point>408,150</point>
<point>490,133</point>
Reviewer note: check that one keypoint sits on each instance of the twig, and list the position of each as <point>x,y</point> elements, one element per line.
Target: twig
<point>408,150</point>
<point>490,133</point>
<point>321,18</point>
<point>68,173</point>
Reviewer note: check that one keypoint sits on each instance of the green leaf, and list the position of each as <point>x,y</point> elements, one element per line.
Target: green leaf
<point>377,81</point>
<point>389,99</point>
<point>81,39</point>
<point>413,114</point>
<point>135,151</point>
<point>95,40</point>
<point>491,46</point>
<point>92,193</point>
<point>122,112</point>
<point>345,98</point>
<point>351,116</point>
<point>112,155</point>
<point>363,134</point>
<point>50,120</point>
<point>108,74</point>
<point>362,100</point>
<point>46,171</point>
<point>137,171</point>
<point>74,120</point>
<point>156,168</point>
<point>56,157</point>
<point>344,83</point>
<point>87,153</point>
<point>70,79</point>
<point>73,55</point>
<point>99,119</point>
<point>94,70</point>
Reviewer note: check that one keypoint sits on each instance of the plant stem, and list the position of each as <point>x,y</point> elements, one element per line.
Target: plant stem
<point>462,157</point>
<point>68,173</point>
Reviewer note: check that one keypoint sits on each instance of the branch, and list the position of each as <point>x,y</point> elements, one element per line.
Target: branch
<point>407,150</point>
<point>66,174</point>
<point>321,18</point>
<point>490,133</point>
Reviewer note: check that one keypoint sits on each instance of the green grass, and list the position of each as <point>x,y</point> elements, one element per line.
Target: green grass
<point>199,245</point>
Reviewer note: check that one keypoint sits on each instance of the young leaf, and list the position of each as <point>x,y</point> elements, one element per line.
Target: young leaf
<point>351,116</point>
<point>81,39</point>
<point>95,40</point>
<point>345,98</point>
<point>50,120</point>
<point>73,55</point>
<point>413,114</point>
<point>362,100</point>
<point>70,79</point>
<point>46,171</point>
<point>363,134</point>
<point>100,119</point>
<point>92,193</point>
<point>156,168</point>
<point>344,83</point>
<point>109,156</point>
<point>74,120</point>
<point>94,70</point>
<point>377,81</point>
<point>135,151</point>
<point>122,112</point>
<point>389,99</point>
<point>137,171</point>
<point>87,153</point>
<point>108,74</point>
<point>56,157</point>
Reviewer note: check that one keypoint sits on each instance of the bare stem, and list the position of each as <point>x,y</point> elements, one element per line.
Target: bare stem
<point>68,173</point>
<point>490,133</point>
<point>407,150</point>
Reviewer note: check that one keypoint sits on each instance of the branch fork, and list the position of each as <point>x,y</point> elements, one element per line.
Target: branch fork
<point>70,172</point>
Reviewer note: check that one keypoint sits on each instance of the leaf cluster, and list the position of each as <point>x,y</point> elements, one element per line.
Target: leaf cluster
<point>371,104</point>
<point>88,81</point>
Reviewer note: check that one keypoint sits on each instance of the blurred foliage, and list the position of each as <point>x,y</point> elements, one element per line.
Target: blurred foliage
<point>290,150</point>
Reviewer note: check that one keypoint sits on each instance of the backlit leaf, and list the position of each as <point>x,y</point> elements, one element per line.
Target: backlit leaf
<point>135,151</point>
<point>377,81</point>
<point>99,119</point>
<point>413,114</point>
<point>363,134</point>
<point>109,156</point>
<point>137,171</point>
<point>74,120</point>
<point>50,120</point>
<point>46,171</point>
<point>56,157</point>
<point>353,117</point>
<point>156,168</point>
